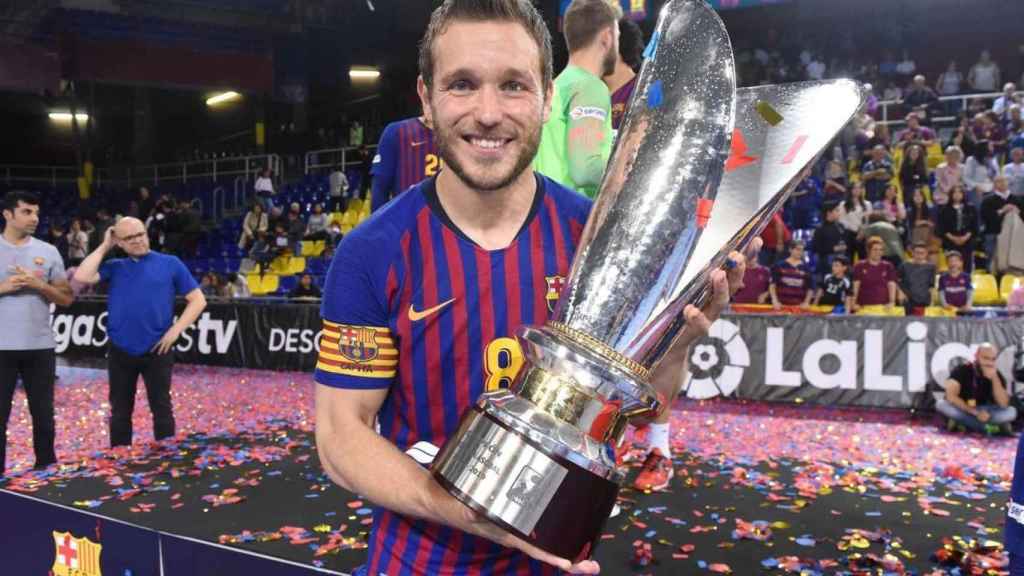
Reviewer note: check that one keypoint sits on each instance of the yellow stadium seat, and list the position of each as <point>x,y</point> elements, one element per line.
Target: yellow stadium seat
<point>1008,284</point>
<point>296,265</point>
<point>940,312</point>
<point>261,285</point>
<point>986,291</point>
<point>312,248</point>
<point>355,205</point>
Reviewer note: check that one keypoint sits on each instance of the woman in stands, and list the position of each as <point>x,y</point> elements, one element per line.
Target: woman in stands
<point>894,210</point>
<point>920,219</point>
<point>255,221</point>
<point>957,226</point>
<point>980,171</point>
<point>855,209</point>
<point>949,174</point>
<point>913,171</point>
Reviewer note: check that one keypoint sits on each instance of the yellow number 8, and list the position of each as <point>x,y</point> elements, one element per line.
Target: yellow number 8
<point>503,360</point>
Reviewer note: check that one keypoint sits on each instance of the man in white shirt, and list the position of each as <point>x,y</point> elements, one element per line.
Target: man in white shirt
<point>264,189</point>
<point>1002,104</point>
<point>984,75</point>
<point>339,189</point>
<point>1014,172</point>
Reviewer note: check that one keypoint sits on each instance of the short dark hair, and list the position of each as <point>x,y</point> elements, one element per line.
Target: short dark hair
<point>12,198</point>
<point>585,19</point>
<point>631,43</point>
<point>842,260</point>
<point>519,11</point>
<point>919,245</point>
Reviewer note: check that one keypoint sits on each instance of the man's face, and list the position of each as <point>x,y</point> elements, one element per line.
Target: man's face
<point>797,252</point>
<point>132,238</point>
<point>955,264</point>
<point>23,219</point>
<point>487,104</point>
<point>838,269</point>
<point>912,122</point>
<point>1017,155</point>
<point>306,281</point>
<point>986,358</point>
<point>876,252</point>
<point>920,255</point>
<point>1000,184</point>
<point>877,154</point>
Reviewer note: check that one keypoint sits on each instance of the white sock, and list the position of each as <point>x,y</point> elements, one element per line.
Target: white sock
<point>657,437</point>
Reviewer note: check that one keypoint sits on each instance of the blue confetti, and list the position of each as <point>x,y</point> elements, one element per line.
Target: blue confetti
<point>364,511</point>
<point>650,533</point>
<point>769,563</point>
<point>652,46</point>
<point>654,95</point>
<point>805,541</point>
<point>872,513</point>
<point>702,564</point>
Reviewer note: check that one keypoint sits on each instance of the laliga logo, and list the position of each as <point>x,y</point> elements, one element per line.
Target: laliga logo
<point>717,362</point>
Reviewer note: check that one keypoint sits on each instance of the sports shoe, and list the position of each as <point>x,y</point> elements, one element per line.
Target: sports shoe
<point>991,429</point>
<point>656,473</point>
<point>950,425</point>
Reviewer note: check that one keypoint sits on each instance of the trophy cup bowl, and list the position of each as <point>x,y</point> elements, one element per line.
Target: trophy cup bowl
<point>678,195</point>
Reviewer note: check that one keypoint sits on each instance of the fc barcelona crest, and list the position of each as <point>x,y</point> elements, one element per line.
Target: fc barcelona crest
<point>358,343</point>
<point>555,284</point>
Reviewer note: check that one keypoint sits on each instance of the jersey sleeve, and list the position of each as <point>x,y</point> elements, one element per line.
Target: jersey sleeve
<point>108,268</point>
<point>590,109</point>
<point>357,349</point>
<point>383,168</point>
<point>57,272</point>
<point>183,280</point>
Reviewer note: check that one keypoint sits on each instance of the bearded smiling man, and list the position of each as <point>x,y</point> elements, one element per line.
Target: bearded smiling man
<point>415,334</point>
<point>577,139</point>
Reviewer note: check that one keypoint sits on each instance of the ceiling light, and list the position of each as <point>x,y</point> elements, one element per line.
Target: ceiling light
<point>222,98</point>
<point>66,116</point>
<point>364,73</point>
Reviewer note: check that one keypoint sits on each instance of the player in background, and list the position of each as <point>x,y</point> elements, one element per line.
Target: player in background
<point>622,81</point>
<point>405,156</point>
<point>577,138</point>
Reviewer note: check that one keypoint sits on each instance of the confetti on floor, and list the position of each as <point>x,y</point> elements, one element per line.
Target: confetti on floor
<point>759,488</point>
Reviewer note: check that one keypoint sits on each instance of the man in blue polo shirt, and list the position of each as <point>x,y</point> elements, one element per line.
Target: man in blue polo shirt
<point>141,323</point>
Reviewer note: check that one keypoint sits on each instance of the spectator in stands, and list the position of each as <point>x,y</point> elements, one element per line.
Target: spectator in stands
<point>994,208</point>
<point>920,97</point>
<point>920,217</point>
<point>264,188</point>
<point>874,279</point>
<point>804,204</point>
<point>305,289</point>
<point>792,282</point>
<point>906,66</point>
<point>756,281</point>
<point>854,210</point>
<point>948,175</point>
<point>99,231</point>
<point>917,281</point>
<point>913,171</point>
<point>979,173</point>
<point>957,225</point>
<point>208,284</point>
<point>158,221</point>
<point>316,226</point>
<point>236,286</point>
<point>59,239</point>
<point>146,204</point>
<point>190,228</point>
<point>255,220</point>
<point>976,396</point>
<point>836,182</point>
<point>78,243</point>
<point>830,240</point>
<point>950,82</point>
<point>881,138</point>
<point>355,134</point>
<point>774,237</point>
<point>296,229</point>
<point>879,227</point>
<point>836,287</point>
<point>876,173</point>
<point>1015,302</point>
<point>1001,107</point>
<point>892,92</point>
<point>1014,172</point>
<point>894,210</point>
<point>914,133</point>
<point>984,76</point>
<point>262,251</point>
<point>338,189</point>
<point>955,288</point>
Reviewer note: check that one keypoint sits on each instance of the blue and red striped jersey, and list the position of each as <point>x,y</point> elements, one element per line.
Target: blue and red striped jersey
<point>406,155</point>
<point>413,306</point>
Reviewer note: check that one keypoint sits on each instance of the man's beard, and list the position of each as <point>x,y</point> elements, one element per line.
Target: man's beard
<point>444,139</point>
<point>611,58</point>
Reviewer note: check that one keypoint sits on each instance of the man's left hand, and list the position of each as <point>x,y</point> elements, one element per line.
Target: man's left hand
<point>24,279</point>
<point>166,343</point>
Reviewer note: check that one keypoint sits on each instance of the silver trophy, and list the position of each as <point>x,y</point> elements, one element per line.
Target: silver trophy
<point>697,171</point>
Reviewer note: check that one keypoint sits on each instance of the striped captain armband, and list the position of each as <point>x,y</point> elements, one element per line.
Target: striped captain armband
<point>362,351</point>
<point>1016,512</point>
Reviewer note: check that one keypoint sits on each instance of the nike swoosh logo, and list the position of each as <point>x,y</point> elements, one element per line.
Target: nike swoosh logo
<point>415,316</point>
<point>420,143</point>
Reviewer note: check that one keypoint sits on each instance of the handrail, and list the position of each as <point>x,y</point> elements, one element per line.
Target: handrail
<point>884,105</point>
<point>247,166</point>
<point>314,159</point>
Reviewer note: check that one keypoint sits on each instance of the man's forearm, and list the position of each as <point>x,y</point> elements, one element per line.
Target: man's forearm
<point>189,315</point>
<point>88,271</point>
<point>60,295</point>
<point>960,404</point>
<point>361,461</point>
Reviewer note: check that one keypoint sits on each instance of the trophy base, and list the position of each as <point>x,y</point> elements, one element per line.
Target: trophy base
<point>533,493</point>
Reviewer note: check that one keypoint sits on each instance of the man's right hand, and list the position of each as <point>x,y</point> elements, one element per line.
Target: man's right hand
<point>455,513</point>
<point>982,416</point>
<point>109,239</point>
<point>9,285</point>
